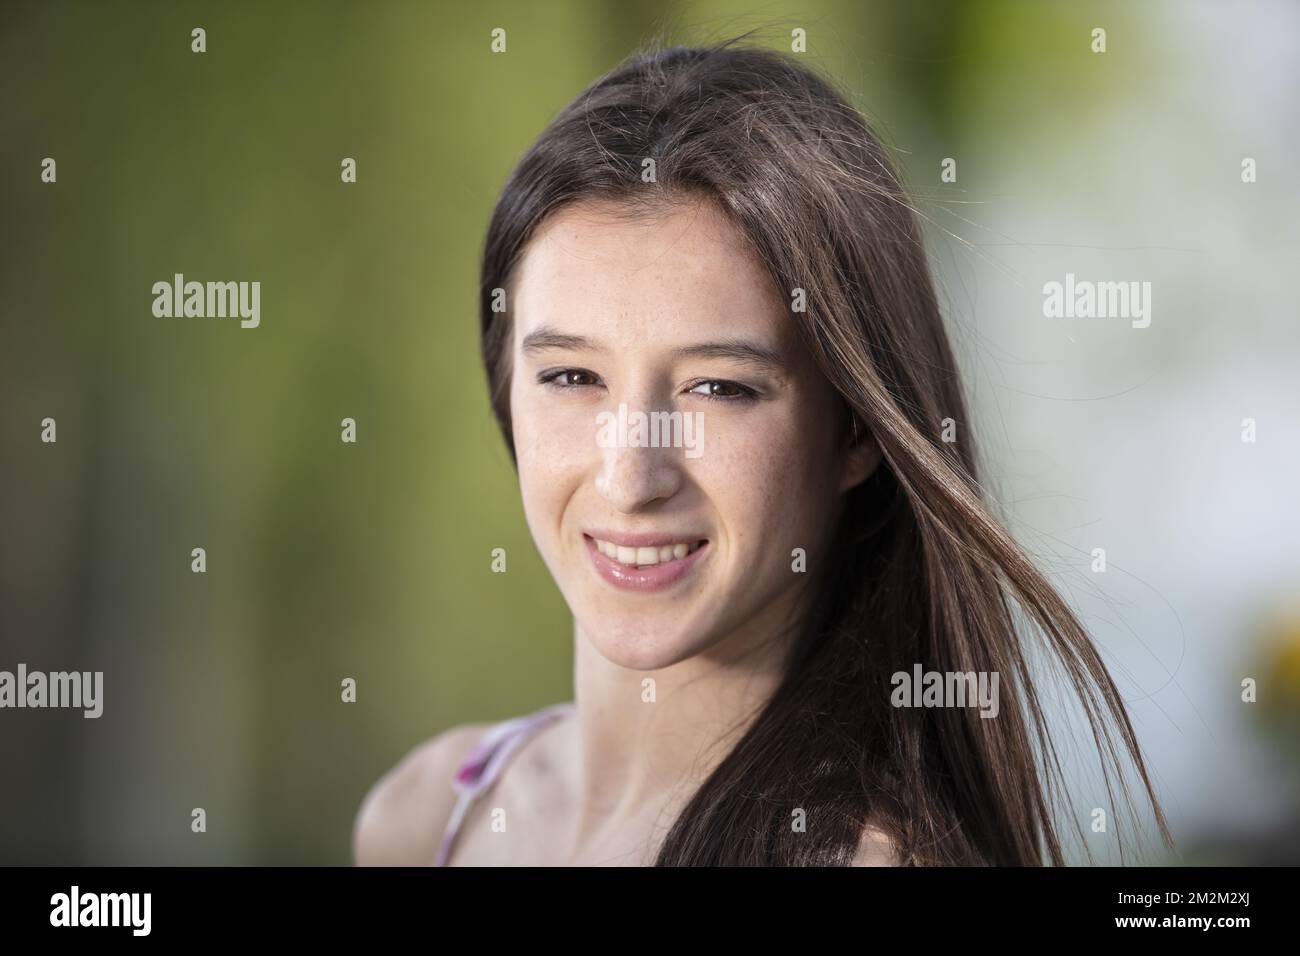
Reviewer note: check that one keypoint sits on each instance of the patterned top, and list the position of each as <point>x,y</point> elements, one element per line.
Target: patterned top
<point>485,762</point>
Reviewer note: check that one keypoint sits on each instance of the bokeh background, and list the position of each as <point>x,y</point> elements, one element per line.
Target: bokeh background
<point>371,561</point>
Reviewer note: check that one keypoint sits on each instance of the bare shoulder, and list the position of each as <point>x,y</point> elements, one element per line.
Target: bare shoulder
<point>403,816</point>
<point>875,848</point>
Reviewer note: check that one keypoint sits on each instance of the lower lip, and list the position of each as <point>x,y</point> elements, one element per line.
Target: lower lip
<point>652,577</point>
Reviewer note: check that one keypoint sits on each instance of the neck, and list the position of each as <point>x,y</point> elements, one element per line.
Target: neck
<point>643,749</point>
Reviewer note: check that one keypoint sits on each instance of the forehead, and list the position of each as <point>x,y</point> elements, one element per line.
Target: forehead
<point>628,273</point>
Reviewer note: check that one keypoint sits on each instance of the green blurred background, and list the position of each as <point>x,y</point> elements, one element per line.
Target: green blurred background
<point>328,560</point>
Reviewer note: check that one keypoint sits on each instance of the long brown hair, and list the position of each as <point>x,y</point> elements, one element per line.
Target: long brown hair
<point>920,571</point>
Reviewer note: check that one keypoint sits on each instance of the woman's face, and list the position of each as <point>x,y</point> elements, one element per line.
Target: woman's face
<point>664,552</point>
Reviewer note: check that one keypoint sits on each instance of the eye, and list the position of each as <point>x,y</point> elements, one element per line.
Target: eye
<point>568,378</point>
<point>722,390</point>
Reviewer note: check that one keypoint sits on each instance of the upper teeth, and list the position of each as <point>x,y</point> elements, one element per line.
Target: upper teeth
<point>639,556</point>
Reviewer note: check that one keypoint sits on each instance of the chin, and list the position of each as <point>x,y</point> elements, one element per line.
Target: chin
<point>641,643</point>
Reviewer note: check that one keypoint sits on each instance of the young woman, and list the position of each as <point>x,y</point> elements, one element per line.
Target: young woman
<point>716,236</point>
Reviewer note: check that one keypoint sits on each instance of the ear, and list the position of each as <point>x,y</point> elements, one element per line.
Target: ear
<point>859,457</point>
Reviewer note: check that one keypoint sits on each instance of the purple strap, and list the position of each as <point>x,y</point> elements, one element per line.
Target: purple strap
<point>483,765</point>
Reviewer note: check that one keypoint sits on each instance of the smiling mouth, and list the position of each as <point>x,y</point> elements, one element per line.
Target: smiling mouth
<point>647,557</point>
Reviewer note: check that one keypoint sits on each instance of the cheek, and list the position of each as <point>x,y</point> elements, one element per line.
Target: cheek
<point>772,480</point>
<point>549,439</point>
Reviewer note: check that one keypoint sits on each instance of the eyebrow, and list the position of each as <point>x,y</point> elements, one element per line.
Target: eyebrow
<point>547,338</point>
<point>737,350</point>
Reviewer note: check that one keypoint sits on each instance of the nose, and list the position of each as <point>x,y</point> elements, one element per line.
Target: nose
<point>632,478</point>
